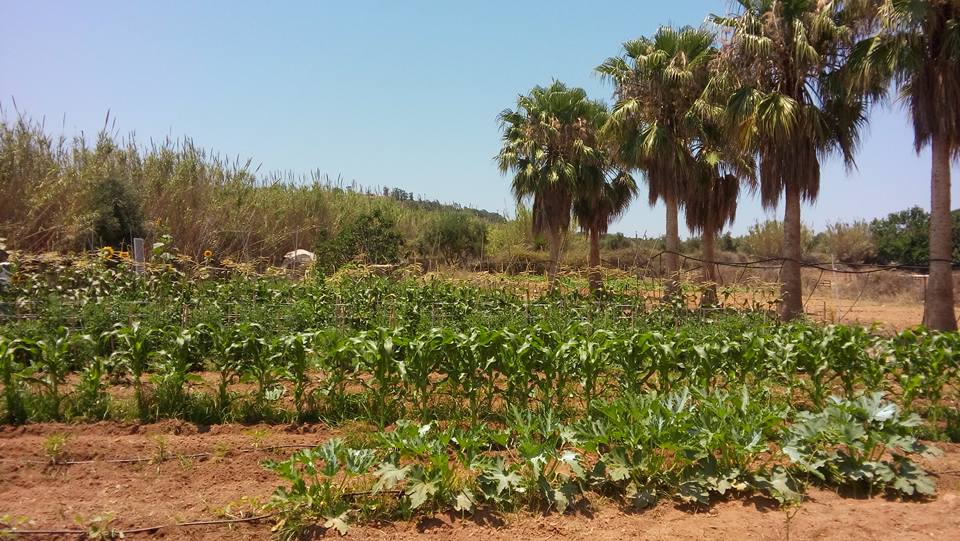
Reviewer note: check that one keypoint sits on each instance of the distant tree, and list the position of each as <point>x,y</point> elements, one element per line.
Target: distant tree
<point>597,204</point>
<point>904,237</point>
<point>545,140</point>
<point>658,80</point>
<point>711,205</point>
<point>616,241</point>
<point>727,243</point>
<point>848,242</point>
<point>766,239</point>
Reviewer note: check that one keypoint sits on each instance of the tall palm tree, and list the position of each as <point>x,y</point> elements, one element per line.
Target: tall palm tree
<point>789,106</point>
<point>658,80</point>
<point>546,142</point>
<point>597,205</point>
<point>917,48</point>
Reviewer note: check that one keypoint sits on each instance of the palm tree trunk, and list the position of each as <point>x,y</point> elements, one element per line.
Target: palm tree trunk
<point>938,310</point>
<point>791,291</point>
<point>555,240</point>
<point>673,246</point>
<point>708,242</point>
<point>596,280</point>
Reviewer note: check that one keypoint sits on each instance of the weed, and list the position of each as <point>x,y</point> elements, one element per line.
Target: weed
<point>161,450</point>
<point>54,447</point>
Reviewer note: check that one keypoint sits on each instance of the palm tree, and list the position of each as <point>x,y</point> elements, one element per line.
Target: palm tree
<point>547,140</point>
<point>711,199</point>
<point>658,80</point>
<point>711,205</point>
<point>917,48</point>
<point>789,106</point>
<point>597,205</point>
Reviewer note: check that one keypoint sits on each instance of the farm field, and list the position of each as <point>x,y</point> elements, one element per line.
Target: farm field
<point>429,307</point>
<point>385,407</point>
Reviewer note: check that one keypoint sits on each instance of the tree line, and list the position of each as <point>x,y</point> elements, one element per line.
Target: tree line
<point>754,100</point>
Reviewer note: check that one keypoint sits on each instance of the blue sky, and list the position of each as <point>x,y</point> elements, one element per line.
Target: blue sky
<point>399,94</point>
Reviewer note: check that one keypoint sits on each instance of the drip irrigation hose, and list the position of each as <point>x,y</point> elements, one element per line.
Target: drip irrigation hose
<point>165,458</point>
<point>145,529</point>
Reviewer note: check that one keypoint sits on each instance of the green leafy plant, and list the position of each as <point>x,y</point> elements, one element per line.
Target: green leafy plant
<point>318,482</point>
<point>133,349</point>
<point>17,359</point>
<point>848,443</point>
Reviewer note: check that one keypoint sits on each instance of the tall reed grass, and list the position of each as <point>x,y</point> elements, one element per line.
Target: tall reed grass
<point>56,194</point>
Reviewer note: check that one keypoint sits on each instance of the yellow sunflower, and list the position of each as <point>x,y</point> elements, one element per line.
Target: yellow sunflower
<point>207,254</point>
<point>107,252</point>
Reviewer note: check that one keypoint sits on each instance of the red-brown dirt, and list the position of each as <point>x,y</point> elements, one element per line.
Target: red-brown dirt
<point>230,482</point>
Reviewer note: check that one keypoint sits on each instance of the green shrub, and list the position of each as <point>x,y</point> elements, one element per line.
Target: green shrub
<point>119,216</point>
<point>453,236</point>
<point>372,237</point>
<point>615,241</point>
<point>766,239</point>
<point>903,237</point>
<point>848,242</point>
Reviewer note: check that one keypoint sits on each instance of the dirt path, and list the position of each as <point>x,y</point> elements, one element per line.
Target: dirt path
<point>229,481</point>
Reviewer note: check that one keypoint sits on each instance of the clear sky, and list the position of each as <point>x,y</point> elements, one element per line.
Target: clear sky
<point>389,93</point>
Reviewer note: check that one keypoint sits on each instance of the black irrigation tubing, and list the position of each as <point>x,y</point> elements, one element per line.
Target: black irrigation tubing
<point>165,458</point>
<point>815,265</point>
<point>151,529</point>
<point>145,529</point>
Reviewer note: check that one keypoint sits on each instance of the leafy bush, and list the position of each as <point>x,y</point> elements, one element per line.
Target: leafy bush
<point>372,237</point>
<point>688,445</point>
<point>848,242</point>
<point>766,239</point>
<point>119,216</point>
<point>453,236</point>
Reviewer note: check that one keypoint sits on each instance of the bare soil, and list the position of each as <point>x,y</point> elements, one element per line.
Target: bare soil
<point>888,315</point>
<point>229,481</point>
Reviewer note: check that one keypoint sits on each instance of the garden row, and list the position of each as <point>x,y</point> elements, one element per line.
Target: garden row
<point>690,446</point>
<point>385,374</point>
<point>90,297</point>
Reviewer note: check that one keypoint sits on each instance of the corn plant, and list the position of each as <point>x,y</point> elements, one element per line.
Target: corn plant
<point>92,401</point>
<point>52,368</point>
<point>472,368</point>
<point>379,353</point>
<point>521,354</point>
<point>635,362</point>
<point>423,360</point>
<point>295,357</point>
<point>17,358</point>
<point>252,354</point>
<point>133,349</point>
<point>926,362</point>
<point>172,375</point>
